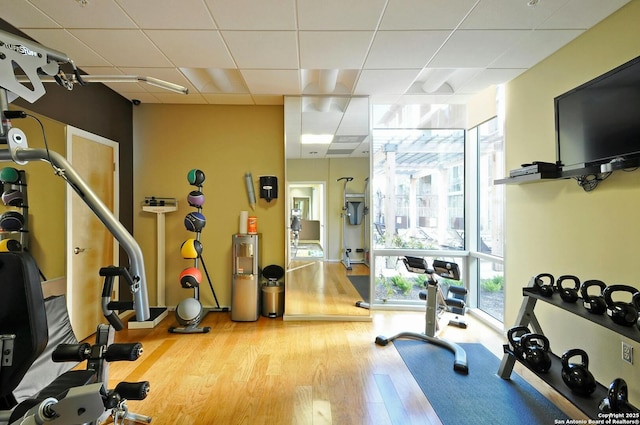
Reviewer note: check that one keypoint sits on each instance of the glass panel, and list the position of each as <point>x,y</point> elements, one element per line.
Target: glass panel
<point>395,284</point>
<point>491,291</point>
<point>490,196</point>
<point>418,188</point>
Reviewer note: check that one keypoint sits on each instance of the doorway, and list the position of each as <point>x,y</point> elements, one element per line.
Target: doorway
<point>306,218</point>
<point>90,245</point>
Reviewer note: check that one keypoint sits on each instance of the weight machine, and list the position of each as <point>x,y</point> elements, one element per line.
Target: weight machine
<point>23,330</point>
<point>437,304</point>
<point>354,211</point>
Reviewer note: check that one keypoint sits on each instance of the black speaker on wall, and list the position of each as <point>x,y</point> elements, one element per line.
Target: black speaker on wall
<point>268,187</point>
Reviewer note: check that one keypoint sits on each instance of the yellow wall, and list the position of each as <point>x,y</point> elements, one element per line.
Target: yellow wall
<point>329,171</point>
<point>555,226</point>
<point>224,142</point>
<point>46,197</point>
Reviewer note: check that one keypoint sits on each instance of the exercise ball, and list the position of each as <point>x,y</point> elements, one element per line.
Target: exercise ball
<point>194,221</point>
<point>9,175</point>
<point>11,221</point>
<point>12,197</point>
<point>195,198</point>
<point>190,277</point>
<point>191,249</point>
<point>195,177</point>
<point>189,312</point>
<point>10,245</point>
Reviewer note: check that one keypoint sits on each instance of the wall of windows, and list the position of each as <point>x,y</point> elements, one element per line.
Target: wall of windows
<point>431,200</point>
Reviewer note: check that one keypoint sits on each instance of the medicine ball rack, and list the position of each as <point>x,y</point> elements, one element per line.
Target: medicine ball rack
<point>20,185</point>
<point>527,317</point>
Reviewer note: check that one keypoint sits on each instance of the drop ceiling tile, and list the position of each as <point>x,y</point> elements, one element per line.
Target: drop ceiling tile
<point>139,51</point>
<point>475,48</point>
<point>254,15</point>
<point>404,49</point>
<point>376,82</point>
<point>168,14</point>
<point>263,49</point>
<point>582,14</point>
<point>514,14</point>
<point>334,15</point>
<point>487,78</point>
<point>22,14</point>
<point>95,14</point>
<point>272,81</point>
<point>143,97</point>
<point>192,48</point>
<point>333,49</point>
<point>534,47</point>
<point>63,41</point>
<point>228,99</point>
<point>422,15</point>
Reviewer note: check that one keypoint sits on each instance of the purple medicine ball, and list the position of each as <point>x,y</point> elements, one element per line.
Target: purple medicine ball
<point>195,198</point>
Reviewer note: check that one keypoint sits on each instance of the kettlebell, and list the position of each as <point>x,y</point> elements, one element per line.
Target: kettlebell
<point>568,294</point>
<point>514,335</point>
<point>577,375</point>
<point>535,352</point>
<point>543,283</point>
<point>594,303</point>
<point>636,302</point>
<point>622,313</point>
<point>617,398</point>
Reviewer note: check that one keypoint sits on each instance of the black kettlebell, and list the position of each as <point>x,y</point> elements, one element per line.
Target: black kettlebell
<point>567,293</point>
<point>594,303</point>
<point>543,283</point>
<point>636,302</point>
<point>622,313</point>
<point>617,398</point>
<point>514,335</point>
<point>577,375</point>
<point>535,352</point>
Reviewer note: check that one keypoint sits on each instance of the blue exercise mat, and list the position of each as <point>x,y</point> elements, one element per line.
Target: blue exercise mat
<point>481,397</point>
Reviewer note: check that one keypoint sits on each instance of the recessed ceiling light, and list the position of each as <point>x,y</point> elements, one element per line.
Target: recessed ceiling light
<point>316,139</point>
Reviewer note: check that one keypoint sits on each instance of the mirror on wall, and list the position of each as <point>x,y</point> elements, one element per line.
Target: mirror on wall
<point>327,142</point>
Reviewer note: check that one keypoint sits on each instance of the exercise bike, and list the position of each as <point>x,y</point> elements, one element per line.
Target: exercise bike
<point>437,305</point>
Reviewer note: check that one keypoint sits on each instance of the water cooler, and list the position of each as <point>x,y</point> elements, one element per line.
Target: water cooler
<point>245,287</point>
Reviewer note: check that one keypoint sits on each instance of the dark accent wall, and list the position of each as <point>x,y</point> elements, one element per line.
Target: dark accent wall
<point>97,109</point>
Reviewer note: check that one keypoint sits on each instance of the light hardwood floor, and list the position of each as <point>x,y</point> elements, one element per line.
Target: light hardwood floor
<point>274,371</point>
<point>321,289</point>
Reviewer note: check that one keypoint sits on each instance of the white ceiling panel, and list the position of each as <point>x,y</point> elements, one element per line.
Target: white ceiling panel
<point>168,14</point>
<point>263,49</point>
<point>269,81</point>
<point>254,15</point>
<point>334,49</point>
<point>514,14</point>
<point>23,14</point>
<point>338,15</point>
<point>96,14</point>
<point>425,15</point>
<point>475,48</point>
<point>534,47</point>
<point>404,49</point>
<point>392,81</point>
<point>582,14</point>
<point>123,47</point>
<point>192,49</point>
<point>79,52</point>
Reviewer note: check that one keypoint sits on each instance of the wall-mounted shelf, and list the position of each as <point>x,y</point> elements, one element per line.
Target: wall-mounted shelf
<point>528,178</point>
<point>527,317</point>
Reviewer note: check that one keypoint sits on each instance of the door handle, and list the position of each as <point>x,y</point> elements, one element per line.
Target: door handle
<point>77,250</point>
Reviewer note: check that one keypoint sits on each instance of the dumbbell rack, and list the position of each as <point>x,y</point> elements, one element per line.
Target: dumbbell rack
<point>527,317</point>
<point>20,185</point>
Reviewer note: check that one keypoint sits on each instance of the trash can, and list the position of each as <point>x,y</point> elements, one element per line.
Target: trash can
<point>273,291</point>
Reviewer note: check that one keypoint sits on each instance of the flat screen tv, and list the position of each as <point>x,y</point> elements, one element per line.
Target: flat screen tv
<point>599,121</point>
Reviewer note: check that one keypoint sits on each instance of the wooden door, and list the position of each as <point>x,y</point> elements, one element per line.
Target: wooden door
<point>90,245</point>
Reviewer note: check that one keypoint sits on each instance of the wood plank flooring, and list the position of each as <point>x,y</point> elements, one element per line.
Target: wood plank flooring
<point>285,372</point>
<point>321,290</point>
